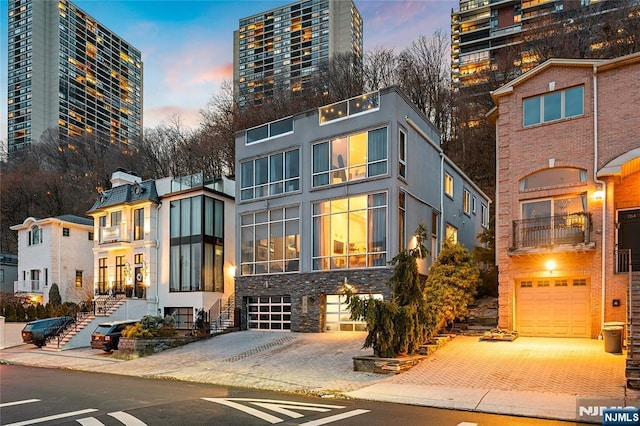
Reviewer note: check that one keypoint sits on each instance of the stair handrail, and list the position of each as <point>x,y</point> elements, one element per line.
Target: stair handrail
<point>225,314</point>
<point>78,316</point>
<point>107,302</point>
<point>629,318</point>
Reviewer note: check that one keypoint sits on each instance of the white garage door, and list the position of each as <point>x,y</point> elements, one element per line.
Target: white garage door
<point>269,313</point>
<point>553,307</point>
<point>338,317</point>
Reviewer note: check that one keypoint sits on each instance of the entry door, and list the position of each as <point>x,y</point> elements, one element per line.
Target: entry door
<point>139,283</point>
<point>629,235</point>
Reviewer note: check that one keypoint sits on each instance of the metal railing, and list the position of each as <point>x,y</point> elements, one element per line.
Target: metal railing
<point>622,261</point>
<point>571,228</point>
<point>27,286</point>
<point>225,316</point>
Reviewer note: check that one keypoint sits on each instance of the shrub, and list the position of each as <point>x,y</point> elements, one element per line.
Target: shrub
<point>136,331</point>
<point>54,295</point>
<point>151,326</point>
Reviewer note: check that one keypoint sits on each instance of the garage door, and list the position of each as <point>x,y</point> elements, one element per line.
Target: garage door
<point>338,317</point>
<point>553,307</point>
<point>269,313</point>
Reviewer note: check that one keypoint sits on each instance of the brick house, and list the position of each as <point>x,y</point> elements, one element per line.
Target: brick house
<point>330,196</point>
<point>568,195</point>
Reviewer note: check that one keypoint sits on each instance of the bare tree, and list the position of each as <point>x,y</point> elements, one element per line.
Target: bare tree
<point>380,69</point>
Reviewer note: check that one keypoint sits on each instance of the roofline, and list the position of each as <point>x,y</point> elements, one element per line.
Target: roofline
<point>464,175</point>
<point>45,221</point>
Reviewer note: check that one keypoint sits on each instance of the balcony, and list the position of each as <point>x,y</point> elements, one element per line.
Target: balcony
<point>28,286</point>
<point>113,234</point>
<point>569,232</point>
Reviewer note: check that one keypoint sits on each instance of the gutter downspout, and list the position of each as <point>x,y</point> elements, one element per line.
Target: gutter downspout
<point>441,236</point>
<point>604,187</point>
<point>157,283</point>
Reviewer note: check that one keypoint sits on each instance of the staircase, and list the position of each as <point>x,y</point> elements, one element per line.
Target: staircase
<point>223,315</point>
<point>104,306</point>
<point>632,371</point>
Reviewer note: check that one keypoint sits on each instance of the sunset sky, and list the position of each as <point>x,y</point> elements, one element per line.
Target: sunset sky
<point>187,46</point>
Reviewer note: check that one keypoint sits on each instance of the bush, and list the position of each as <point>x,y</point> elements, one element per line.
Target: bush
<point>54,295</point>
<point>151,326</point>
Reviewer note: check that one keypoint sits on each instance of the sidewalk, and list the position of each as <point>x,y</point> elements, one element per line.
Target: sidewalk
<point>534,377</point>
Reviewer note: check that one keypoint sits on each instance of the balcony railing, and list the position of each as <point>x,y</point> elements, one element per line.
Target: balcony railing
<point>113,234</point>
<point>574,228</point>
<point>623,261</point>
<point>27,286</point>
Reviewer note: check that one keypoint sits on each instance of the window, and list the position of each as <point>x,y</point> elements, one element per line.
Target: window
<point>553,106</point>
<point>183,317</point>
<point>350,232</point>
<point>116,218</point>
<point>90,235</point>
<point>78,278</point>
<point>402,211</point>
<point>270,175</point>
<point>138,258</point>
<point>402,154</point>
<point>473,205</point>
<point>65,232</point>
<point>484,211</point>
<point>35,235</point>
<point>118,286</point>
<point>544,209</point>
<point>556,176</point>
<point>103,285</point>
<point>102,221</point>
<point>269,130</point>
<point>138,224</point>
<point>196,250</point>
<point>348,158</point>
<point>448,184</point>
<point>451,233</point>
<point>270,241</point>
<point>343,109</point>
<point>526,284</point>
<point>466,202</point>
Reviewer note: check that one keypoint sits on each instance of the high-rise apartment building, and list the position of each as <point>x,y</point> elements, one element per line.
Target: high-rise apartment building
<point>285,48</point>
<point>501,37</point>
<point>67,71</point>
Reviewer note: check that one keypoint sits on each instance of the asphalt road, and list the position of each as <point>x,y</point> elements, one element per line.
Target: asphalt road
<point>50,396</point>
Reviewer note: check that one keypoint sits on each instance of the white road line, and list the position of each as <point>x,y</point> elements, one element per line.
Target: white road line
<point>467,424</point>
<point>252,411</point>
<point>90,421</point>
<point>335,418</point>
<point>281,401</point>
<point>127,418</point>
<point>24,401</point>
<point>278,408</point>
<point>54,417</point>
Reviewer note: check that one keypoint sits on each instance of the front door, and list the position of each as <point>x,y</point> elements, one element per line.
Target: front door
<point>629,235</point>
<point>139,283</point>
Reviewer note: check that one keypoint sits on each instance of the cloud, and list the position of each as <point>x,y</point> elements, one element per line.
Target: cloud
<point>156,116</point>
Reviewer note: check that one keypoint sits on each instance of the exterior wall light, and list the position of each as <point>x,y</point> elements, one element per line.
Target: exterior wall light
<point>551,265</point>
<point>598,195</point>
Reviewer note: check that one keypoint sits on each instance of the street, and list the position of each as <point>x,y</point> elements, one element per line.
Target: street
<point>51,396</point>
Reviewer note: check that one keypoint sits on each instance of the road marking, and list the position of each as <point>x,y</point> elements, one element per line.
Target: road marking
<point>24,401</point>
<point>281,407</point>
<point>334,418</point>
<point>251,411</point>
<point>467,424</point>
<point>54,417</point>
<point>127,419</point>
<point>90,421</point>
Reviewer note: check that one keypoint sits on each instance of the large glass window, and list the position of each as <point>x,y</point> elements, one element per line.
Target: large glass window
<point>350,232</point>
<point>466,202</point>
<point>448,184</point>
<point>196,255</point>
<point>270,241</point>
<point>270,175</point>
<point>350,158</point>
<point>553,106</point>
<point>402,153</point>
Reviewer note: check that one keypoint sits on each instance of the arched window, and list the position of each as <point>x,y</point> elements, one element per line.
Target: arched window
<point>35,235</point>
<point>557,176</point>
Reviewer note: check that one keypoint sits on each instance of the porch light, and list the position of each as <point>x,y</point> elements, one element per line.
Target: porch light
<point>598,195</point>
<point>551,265</point>
<point>231,270</point>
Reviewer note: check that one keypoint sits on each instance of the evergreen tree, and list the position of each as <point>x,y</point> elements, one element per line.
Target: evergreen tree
<point>54,295</point>
<point>451,284</point>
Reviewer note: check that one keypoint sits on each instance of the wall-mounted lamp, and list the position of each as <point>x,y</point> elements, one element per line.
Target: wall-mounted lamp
<point>550,265</point>
<point>598,195</point>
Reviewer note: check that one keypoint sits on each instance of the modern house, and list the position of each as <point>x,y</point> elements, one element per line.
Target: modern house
<point>329,196</point>
<point>160,246</point>
<point>286,47</point>
<point>568,196</point>
<point>69,73</point>
<point>55,250</point>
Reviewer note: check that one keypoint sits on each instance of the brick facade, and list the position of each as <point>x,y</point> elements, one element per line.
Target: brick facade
<point>569,142</point>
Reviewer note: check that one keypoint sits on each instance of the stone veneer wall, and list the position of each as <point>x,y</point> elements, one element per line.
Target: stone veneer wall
<point>314,286</point>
